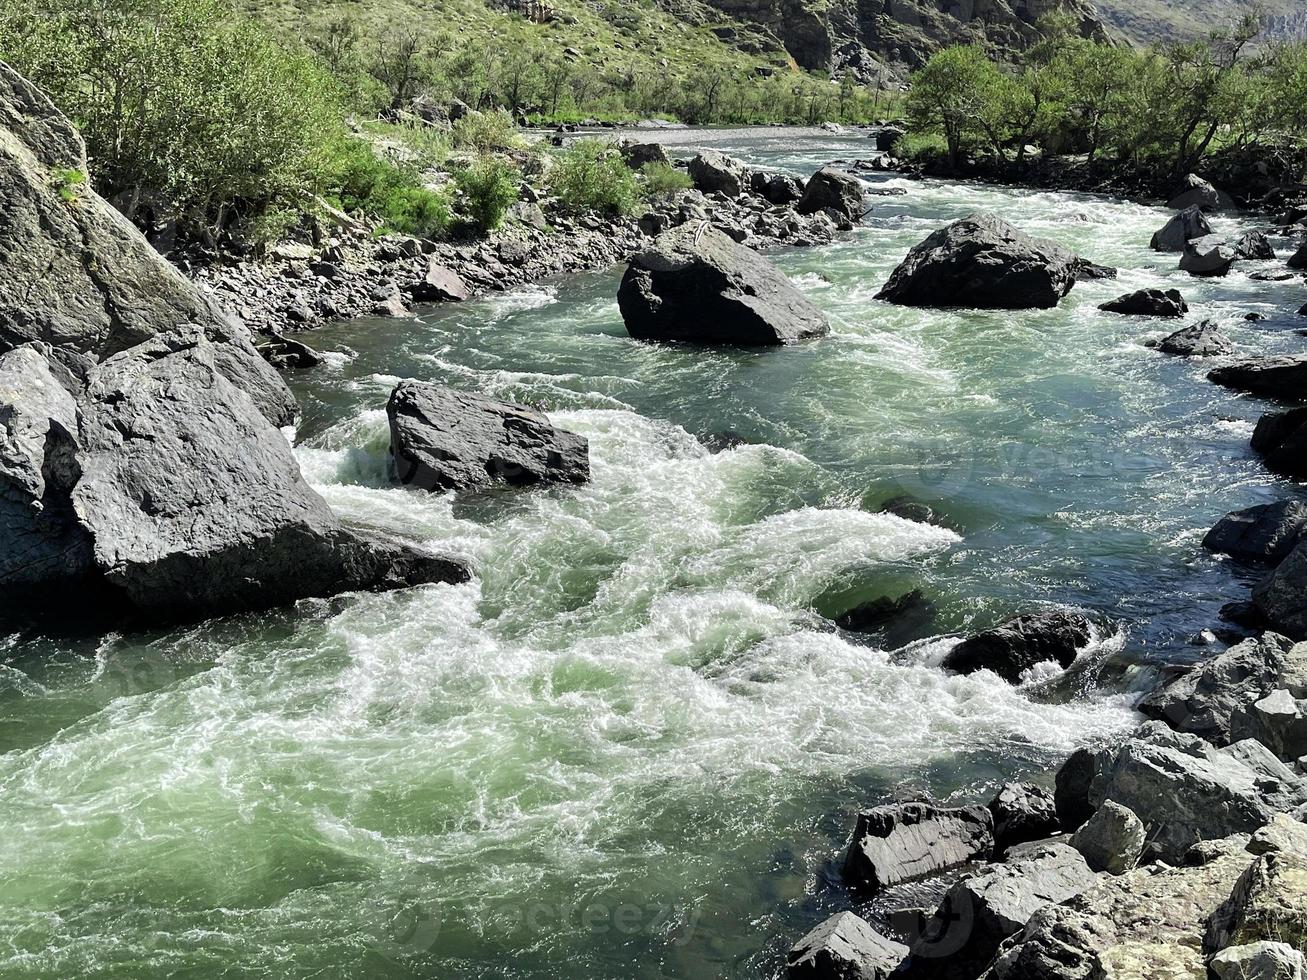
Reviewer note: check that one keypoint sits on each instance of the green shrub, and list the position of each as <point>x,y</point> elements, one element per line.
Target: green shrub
<point>393,195</point>
<point>68,184</point>
<point>591,176</point>
<point>487,190</point>
<point>486,132</point>
<point>663,178</point>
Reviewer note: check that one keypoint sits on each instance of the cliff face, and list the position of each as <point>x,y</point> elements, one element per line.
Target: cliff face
<point>841,33</point>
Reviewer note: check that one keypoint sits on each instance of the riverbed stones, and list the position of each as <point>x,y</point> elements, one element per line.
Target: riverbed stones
<point>696,285</point>
<point>76,274</point>
<point>1022,812</point>
<point>442,439</point>
<point>1205,339</point>
<point>1194,191</point>
<point>844,947</point>
<point>981,911</point>
<point>835,190</point>
<point>1149,302</point>
<point>1187,225</point>
<point>714,172</point>
<point>1281,439</point>
<point>1261,535</point>
<point>1282,378</point>
<point>903,841</point>
<point>1208,257</point>
<point>1016,646</point>
<point>1112,839</point>
<point>439,284</point>
<point>1259,961</point>
<point>983,262</point>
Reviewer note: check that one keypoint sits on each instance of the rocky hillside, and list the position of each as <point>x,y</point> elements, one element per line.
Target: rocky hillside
<point>1145,21</point>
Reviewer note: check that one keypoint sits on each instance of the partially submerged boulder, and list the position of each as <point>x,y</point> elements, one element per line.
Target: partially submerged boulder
<point>1254,246</point>
<point>1210,256</point>
<point>696,285</point>
<point>1021,643</point>
<point>1281,439</point>
<point>1149,302</point>
<point>903,841</point>
<point>844,947</point>
<point>714,172</point>
<point>983,262</point>
<point>1278,378</point>
<point>1196,192</point>
<point>835,190</point>
<point>892,618</point>
<point>1180,230</point>
<point>443,439</point>
<point>76,274</point>
<point>1261,535</point>
<point>1205,339</point>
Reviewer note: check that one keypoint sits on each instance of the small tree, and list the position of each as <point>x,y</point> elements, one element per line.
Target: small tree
<point>950,94</point>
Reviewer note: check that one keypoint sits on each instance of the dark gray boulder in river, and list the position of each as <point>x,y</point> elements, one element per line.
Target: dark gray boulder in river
<point>1280,378</point>
<point>1148,302</point>
<point>1262,535</point>
<point>1021,643</point>
<point>1189,224</point>
<point>982,262</point>
<point>1196,192</point>
<point>1204,339</point>
<point>1210,257</point>
<point>76,274</point>
<point>696,285</point>
<point>835,190</point>
<point>844,947</point>
<point>1281,598</point>
<point>1254,246</point>
<point>1022,812</point>
<point>1281,439</point>
<point>715,172</point>
<point>902,841</point>
<point>442,439</point>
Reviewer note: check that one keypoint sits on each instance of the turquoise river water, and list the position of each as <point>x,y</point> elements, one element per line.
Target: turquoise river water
<point>633,745</point>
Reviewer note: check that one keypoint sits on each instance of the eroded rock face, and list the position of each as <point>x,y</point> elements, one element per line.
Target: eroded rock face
<point>443,439</point>
<point>76,274</point>
<point>1021,643</point>
<point>844,947</point>
<point>696,285</point>
<point>1189,224</point>
<point>1259,961</point>
<point>1269,902</point>
<point>903,841</point>
<point>982,262</point>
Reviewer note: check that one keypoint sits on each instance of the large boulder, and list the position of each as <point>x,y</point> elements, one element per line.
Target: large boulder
<point>1278,721</point>
<point>1022,812</point>
<point>1203,701</point>
<point>1021,643</point>
<point>985,263</point>
<point>980,912</point>
<point>844,947</point>
<point>1112,839</point>
<point>835,190</point>
<point>1281,439</point>
<point>1262,960</point>
<point>443,439</point>
<point>1071,788</point>
<point>1208,257</point>
<point>1196,192</point>
<point>1262,535</point>
<point>714,172</point>
<point>76,274</point>
<point>182,500</point>
<point>1255,246</point>
<point>903,841</point>
<point>1149,302</point>
<point>638,155</point>
<point>1181,230</point>
<point>1267,903</point>
<point>439,284</point>
<point>1278,378</point>
<point>696,285</point>
<point>1205,339</point>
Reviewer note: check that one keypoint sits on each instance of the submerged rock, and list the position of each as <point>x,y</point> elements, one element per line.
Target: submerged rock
<point>442,439</point>
<point>1180,230</point>
<point>1205,339</point>
<point>1021,643</point>
<point>844,947</point>
<point>1262,535</point>
<point>1281,439</point>
<point>285,353</point>
<point>1112,839</point>
<point>985,263</point>
<point>885,615</point>
<point>697,285</point>
<point>907,840</point>
<point>1149,302</point>
<point>1280,378</point>
<point>832,189</point>
<point>1209,256</point>
<point>1196,192</point>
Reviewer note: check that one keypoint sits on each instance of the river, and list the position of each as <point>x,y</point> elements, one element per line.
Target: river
<point>633,746</point>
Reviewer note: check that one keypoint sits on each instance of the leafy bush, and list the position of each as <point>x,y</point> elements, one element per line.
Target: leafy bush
<point>663,178</point>
<point>394,195</point>
<point>487,190</point>
<point>591,176</point>
<point>486,132</point>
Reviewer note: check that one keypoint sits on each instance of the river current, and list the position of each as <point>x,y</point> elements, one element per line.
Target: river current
<point>633,746</point>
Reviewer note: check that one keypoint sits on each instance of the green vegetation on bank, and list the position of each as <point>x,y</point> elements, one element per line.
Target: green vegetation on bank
<point>1158,109</point>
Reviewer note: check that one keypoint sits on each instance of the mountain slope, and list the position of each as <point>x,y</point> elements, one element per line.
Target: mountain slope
<point>1146,21</point>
